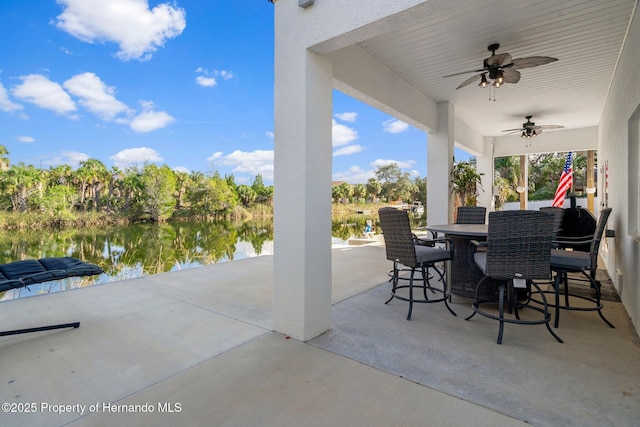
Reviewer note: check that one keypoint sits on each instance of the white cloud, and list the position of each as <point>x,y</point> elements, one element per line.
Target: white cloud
<point>181,169</point>
<point>354,175</point>
<point>71,158</point>
<point>39,90</point>
<point>207,78</point>
<point>138,30</point>
<point>395,126</point>
<point>215,156</point>
<point>401,164</point>
<point>135,156</point>
<point>341,134</point>
<point>226,74</point>
<point>349,149</point>
<point>150,120</point>
<point>253,162</point>
<point>5,103</point>
<point>346,117</point>
<point>206,81</point>
<point>26,139</point>
<point>96,96</point>
<point>270,134</point>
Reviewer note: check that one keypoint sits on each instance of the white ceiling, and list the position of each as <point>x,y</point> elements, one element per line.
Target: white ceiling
<point>585,36</point>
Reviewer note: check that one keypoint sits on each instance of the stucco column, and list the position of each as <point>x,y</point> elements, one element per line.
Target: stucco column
<point>302,185</point>
<point>523,182</point>
<point>439,164</point>
<point>484,166</point>
<point>591,155</point>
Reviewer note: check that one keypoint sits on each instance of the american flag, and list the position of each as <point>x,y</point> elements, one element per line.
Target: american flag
<point>566,180</point>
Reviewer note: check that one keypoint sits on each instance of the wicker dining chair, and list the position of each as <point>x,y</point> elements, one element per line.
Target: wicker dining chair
<point>471,215</point>
<point>576,261</point>
<point>518,252</point>
<point>409,253</point>
<point>558,215</point>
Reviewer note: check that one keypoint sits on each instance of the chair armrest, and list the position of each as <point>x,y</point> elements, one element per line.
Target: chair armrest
<point>568,242</point>
<point>574,239</point>
<point>423,242</point>
<point>477,245</point>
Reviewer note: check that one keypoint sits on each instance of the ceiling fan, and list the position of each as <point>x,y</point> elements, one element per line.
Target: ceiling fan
<point>501,68</point>
<point>530,130</point>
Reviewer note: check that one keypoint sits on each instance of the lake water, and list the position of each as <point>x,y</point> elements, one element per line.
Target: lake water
<point>135,250</point>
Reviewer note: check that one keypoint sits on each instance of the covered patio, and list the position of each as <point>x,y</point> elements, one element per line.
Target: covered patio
<point>197,347</point>
<point>394,56</point>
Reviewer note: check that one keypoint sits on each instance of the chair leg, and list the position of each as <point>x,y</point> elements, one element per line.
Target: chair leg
<point>547,316</point>
<point>596,286</point>
<point>513,294</point>
<point>475,302</point>
<point>394,282</point>
<point>556,285</point>
<point>425,283</point>
<point>411,294</point>
<point>501,311</point>
<point>445,290</point>
<point>565,279</point>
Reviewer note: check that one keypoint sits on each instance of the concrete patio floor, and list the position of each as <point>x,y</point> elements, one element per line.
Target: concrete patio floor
<point>195,348</point>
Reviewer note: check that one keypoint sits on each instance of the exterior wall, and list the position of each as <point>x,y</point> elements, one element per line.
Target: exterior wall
<point>621,254</point>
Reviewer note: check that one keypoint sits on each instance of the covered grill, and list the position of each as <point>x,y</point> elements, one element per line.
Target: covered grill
<point>578,222</point>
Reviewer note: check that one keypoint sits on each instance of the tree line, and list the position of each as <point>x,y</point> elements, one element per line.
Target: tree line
<point>148,193</point>
<point>391,184</point>
<point>153,193</point>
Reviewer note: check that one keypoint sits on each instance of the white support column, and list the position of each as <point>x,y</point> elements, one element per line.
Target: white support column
<point>439,164</point>
<point>302,183</point>
<point>485,167</point>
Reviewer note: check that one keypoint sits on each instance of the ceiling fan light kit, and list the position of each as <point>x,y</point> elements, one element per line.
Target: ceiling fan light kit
<point>501,68</point>
<point>530,130</point>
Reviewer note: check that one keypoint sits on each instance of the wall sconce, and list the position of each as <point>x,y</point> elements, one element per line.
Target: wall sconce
<point>520,189</point>
<point>590,190</point>
<point>305,3</point>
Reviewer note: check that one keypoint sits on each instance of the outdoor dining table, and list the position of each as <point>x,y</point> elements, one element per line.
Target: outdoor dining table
<point>463,275</point>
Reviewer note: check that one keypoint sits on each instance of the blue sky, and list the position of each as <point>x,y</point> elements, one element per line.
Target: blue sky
<point>186,83</point>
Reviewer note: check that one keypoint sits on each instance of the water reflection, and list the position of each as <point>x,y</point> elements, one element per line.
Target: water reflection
<point>135,250</point>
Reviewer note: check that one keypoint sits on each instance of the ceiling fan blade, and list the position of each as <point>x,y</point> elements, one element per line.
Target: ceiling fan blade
<point>532,61</point>
<point>469,81</point>
<point>551,127</point>
<point>499,59</point>
<point>513,130</point>
<point>511,75</point>
<point>464,72</point>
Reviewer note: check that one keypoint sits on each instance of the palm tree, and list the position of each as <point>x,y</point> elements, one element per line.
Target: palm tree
<point>466,182</point>
<point>4,158</point>
<point>92,174</point>
<point>19,180</point>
